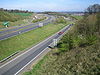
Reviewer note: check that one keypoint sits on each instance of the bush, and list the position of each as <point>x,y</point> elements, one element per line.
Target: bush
<point>84,34</point>
<point>63,47</point>
<point>77,40</point>
<point>91,39</point>
<point>37,20</point>
<point>66,43</point>
<point>60,20</point>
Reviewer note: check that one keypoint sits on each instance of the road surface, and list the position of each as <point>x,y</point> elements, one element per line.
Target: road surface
<point>24,29</point>
<point>14,66</point>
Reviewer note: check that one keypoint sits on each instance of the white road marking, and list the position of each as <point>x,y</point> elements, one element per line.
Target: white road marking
<point>32,47</point>
<point>27,51</point>
<point>30,61</point>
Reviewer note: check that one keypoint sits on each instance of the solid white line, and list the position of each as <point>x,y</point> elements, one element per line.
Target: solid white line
<point>31,48</point>
<point>30,61</point>
<point>27,51</point>
<point>19,33</point>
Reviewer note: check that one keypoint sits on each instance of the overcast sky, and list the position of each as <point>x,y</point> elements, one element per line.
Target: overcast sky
<point>48,5</point>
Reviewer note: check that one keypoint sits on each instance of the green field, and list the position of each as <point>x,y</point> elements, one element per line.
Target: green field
<point>37,20</point>
<point>77,17</point>
<point>14,19</point>
<point>24,14</point>
<point>23,41</point>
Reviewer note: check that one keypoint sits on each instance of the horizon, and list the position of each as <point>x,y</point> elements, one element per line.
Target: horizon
<point>48,5</point>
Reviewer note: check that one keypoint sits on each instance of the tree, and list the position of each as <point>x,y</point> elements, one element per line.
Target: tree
<point>93,9</point>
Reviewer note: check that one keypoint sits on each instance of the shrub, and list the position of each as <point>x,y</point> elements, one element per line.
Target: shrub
<point>60,20</point>
<point>63,47</point>
<point>66,43</point>
<point>91,39</point>
<point>77,40</point>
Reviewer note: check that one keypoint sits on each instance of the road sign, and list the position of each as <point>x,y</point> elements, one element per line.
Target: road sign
<point>6,24</point>
<point>55,42</point>
<point>40,24</point>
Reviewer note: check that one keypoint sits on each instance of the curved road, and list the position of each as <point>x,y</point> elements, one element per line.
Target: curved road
<point>24,29</point>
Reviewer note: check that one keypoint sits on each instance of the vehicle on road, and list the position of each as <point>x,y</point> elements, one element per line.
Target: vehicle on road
<point>60,33</point>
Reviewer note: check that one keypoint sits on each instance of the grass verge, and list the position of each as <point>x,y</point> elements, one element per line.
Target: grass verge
<point>77,17</point>
<point>20,42</point>
<point>78,61</point>
<point>38,20</point>
<point>78,52</point>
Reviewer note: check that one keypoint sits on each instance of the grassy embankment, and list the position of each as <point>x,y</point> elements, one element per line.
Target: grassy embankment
<point>78,52</point>
<point>14,19</point>
<point>27,39</point>
<point>77,17</point>
<point>38,20</point>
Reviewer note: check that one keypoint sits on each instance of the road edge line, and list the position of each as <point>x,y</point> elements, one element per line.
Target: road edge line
<point>30,62</point>
<point>33,47</point>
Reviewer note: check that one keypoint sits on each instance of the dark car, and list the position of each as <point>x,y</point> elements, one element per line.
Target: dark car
<point>60,33</point>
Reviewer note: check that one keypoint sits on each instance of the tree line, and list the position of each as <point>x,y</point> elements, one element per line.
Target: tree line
<point>92,9</point>
<point>15,10</point>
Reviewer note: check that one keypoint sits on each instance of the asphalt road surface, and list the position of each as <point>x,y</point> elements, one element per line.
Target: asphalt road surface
<point>24,29</point>
<point>14,66</point>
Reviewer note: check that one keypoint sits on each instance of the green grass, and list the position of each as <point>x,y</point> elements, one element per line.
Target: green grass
<point>78,54</point>
<point>13,18</point>
<point>37,20</point>
<point>76,61</point>
<point>80,61</point>
<point>24,14</point>
<point>23,41</point>
<point>78,17</point>
<point>37,66</point>
<point>6,16</point>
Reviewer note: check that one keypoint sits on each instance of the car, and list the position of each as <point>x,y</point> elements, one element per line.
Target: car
<point>60,33</point>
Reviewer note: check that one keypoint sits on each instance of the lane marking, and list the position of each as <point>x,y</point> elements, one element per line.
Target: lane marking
<point>27,50</point>
<point>32,48</point>
<point>25,31</point>
<point>30,62</point>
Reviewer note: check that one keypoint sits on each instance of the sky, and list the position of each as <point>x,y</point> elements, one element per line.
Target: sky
<point>48,5</point>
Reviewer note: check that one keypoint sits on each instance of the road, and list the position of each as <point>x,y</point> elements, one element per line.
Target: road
<point>14,66</point>
<point>24,29</point>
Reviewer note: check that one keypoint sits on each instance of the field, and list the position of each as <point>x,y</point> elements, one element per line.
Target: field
<point>23,41</point>
<point>79,17</point>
